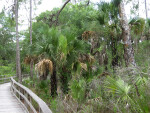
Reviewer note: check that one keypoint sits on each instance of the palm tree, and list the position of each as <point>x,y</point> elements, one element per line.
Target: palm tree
<point>108,19</point>
<point>137,28</point>
<point>63,50</point>
<point>110,12</point>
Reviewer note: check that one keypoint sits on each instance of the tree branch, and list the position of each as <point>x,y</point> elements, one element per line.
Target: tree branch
<point>60,11</point>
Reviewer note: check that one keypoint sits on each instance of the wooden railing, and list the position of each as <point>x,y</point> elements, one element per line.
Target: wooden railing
<point>30,100</point>
<point>5,79</point>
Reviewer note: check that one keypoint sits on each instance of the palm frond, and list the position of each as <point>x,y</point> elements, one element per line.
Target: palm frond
<point>118,88</point>
<point>44,65</point>
<point>137,25</point>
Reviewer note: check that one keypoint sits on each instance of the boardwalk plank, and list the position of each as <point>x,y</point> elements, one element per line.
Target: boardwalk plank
<point>8,102</point>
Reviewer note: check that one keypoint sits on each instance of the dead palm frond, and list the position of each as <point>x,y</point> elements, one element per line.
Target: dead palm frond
<point>28,59</point>
<point>83,66</point>
<point>86,58</point>
<point>44,66</point>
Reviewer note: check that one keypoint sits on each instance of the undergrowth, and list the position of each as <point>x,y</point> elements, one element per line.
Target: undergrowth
<point>119,92</point>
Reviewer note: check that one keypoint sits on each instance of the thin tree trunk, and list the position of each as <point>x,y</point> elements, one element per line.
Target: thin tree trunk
<point>31,63</point>
<point>18,66</point>
<point>138,8</point>
<point>146,9</point>
<point>128,49</point>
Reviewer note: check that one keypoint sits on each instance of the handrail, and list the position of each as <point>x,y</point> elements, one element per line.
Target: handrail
<point>5,80</point>
<point>26,96</point>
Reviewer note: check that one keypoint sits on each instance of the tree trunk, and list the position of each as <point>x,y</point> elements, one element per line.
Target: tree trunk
<point>53,83</point>
<point>146,9</point>
<point>128,49</point>
<point>31,63</point>
<point>114,52</point>
<point>138,7</point>
<point>18,66</point>
<point>59,86</point>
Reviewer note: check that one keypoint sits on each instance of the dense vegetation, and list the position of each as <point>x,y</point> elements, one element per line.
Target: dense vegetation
<point>81,58</point>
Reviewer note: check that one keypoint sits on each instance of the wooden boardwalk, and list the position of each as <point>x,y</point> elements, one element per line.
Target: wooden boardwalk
<point>8,101</point>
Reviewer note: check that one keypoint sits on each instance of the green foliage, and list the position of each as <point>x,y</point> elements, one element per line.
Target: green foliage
<point>88,87</point>
<point>148,22</point>
<point>142,55</point>
<point>27,81</point>
<point>78,89</point>
<point>75,23</point>
<point>7,46</point>
<point>119,88</point>
<point>137,25</point>
<point>117,2</point>
<point>54,104</point>
<point>7,70</point>
<point>43,84</point>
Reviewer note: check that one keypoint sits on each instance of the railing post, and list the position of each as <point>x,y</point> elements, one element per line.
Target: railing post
<point>40,110</point>
<point>30,100</point>
<point>26,95</point>
<point>15,90</point>
<point>11,85</point>
<point>19,91</point>
<point>4,79</point>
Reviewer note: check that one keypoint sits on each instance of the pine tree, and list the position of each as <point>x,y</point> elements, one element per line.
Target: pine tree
<point>31,64</point>
<point>18,66</point>
<point>126,36</point>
